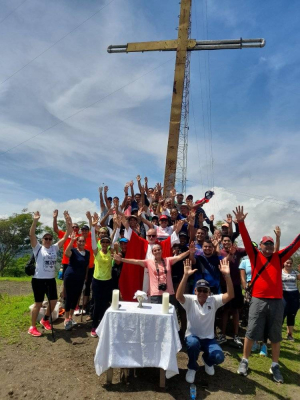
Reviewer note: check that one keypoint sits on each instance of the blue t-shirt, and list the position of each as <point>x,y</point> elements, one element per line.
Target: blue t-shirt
<point>245,264</point>
<point>208,269</point>
<point>77,265</point>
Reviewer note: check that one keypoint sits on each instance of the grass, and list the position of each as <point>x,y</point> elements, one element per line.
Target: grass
<point>14,279</point>
<point>14,316</point>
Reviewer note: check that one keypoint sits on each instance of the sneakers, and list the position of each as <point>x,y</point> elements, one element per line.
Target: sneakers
<point>209,370</point>
<point>255,347</point>
<point>263,350</point>
<point>190,375</point>
<point>277,377</point>
<point>77,311</point>
<point>74,323</point>
<point>290,338</point>
<point>45,324</point>
<point>34,332</point>
<point>94,334</point>
<point>68,325</point>
<point>221,339</point>
<point>237,341</point>
<point>243,367</point>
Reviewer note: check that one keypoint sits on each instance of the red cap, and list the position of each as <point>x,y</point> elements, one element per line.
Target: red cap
<point>163,217</point>
<point>266,239</point>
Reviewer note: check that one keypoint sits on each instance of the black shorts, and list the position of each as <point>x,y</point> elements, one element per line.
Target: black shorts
<point>42,287</point>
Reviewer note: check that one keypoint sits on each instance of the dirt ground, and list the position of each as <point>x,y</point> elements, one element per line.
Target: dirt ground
<point>37,368</point>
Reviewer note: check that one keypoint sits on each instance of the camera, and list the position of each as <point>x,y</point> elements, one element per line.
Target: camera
<point>162,286</point>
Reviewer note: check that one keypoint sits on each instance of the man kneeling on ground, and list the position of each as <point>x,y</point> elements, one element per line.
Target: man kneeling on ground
<point>201,310</point>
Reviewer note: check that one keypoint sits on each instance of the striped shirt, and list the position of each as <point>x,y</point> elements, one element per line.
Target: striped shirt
<point>289,281</point>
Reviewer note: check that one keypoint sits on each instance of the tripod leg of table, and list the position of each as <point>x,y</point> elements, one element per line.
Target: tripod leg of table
<point>109,375</point>
<point>162,378</point>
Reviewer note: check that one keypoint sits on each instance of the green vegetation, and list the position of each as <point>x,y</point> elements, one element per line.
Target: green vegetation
<point>14,316</point>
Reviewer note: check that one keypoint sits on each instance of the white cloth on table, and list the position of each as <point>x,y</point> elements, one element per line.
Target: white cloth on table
<point>133,337</point>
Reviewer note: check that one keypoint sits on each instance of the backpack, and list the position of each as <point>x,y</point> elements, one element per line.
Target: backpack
<point>30,266</point>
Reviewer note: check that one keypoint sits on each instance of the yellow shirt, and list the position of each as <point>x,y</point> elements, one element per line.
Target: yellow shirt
<point>103,264</point>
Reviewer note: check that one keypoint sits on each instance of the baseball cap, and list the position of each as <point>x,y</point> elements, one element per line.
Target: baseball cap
<point>183,234</point>
<point>47,234</point>
<point>85,227</point>
<point>202,283</point>
<point>163,217</point>
<point>105,238</point>
<point>124,240</point>
<point>266,239</point>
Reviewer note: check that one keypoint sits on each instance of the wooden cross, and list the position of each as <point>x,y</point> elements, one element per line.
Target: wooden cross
<point>181,45</point>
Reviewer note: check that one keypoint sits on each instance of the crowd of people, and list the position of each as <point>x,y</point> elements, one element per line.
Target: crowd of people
<point>162,243</point>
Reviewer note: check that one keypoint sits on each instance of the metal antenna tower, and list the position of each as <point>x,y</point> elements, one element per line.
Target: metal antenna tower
<point>181,168</point>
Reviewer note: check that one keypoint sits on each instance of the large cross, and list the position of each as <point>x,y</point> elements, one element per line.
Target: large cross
<point>181,45</point>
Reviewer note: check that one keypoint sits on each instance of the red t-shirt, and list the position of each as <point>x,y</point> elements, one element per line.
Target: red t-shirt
<point>269,283</point>
<point>65,259</point>
<point>88,246</point>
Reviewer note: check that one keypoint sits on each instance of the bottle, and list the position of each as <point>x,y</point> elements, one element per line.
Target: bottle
<point>193,391</point>
<point>60,273</point>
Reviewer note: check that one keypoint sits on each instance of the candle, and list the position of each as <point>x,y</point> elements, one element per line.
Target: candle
<point>115,300</point>
<point>165,303</point>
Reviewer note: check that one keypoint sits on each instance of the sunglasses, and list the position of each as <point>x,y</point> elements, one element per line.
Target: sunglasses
<point>105,242</point>
<point>152,236</point>
<point>47,238</point>
<point>202,290</point>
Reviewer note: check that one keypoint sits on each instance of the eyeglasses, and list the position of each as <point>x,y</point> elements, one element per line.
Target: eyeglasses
<point>47,238</point>
<point>202,290</point>
<point>152,236</point>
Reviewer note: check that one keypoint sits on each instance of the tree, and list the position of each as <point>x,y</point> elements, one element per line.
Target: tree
<point>14,237</point>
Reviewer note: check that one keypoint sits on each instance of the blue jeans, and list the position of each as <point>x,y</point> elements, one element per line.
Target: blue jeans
<point>212,352</point>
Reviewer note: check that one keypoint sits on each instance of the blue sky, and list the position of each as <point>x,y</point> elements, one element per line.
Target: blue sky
<point>249,98</point>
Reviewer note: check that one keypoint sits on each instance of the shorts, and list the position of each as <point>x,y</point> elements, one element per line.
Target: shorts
<point>238,301</point>
<point>265,313</point>
<point>42,287</point>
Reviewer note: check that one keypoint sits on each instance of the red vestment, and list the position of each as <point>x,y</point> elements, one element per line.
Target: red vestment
<point>132,276</point>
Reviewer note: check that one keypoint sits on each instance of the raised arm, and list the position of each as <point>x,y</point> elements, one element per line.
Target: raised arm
<point>277,232</point>
<point>287,252</point>
<point>68,252</point>
<point>125,197</point>
<point>240,217</point>
<point>144,220</point>
<point>118,258</point>
<point>68,230</point>
<point>55,226</point>
<point>146,186</point>
<point>225,270</point>
<point>228,220</point>
<point>104,219</point>
<point>180,257</point>
<point>131,190</point>
<point>188,271</point>
<point>32,236</point>
<point>107,202</point>
<point>102,205</point>
<point>138,178</point>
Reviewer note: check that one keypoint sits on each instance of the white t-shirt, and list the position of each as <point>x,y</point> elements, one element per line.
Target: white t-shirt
<point>164,232</point>
<point>200,320</point>
<point>45,261</point>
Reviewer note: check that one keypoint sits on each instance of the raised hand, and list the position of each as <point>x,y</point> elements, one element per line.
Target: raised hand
<point>131,183</point>
<point>173,192</point>
<point>192,248</point>
<point>212,218</point>
<point>188,271</point>
<point>55,213</point>
<point>138,178</point>
<point>105,189</point>
<point>239,214</point>
<point>66,213</point>
<point>116,247</point>
<point>228,219</point>
<point>95,219</point>
<point>88,215</point>
<point>100,189</point>
<point>277,231</point>
<point>73,236</point>
<point>36,216</point>
<point>146,180</point>
<point>224,267</point>
<point>126,188</point>
<point>158,185</point>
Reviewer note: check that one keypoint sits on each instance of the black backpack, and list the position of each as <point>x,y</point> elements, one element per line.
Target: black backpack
<point>30,266</point>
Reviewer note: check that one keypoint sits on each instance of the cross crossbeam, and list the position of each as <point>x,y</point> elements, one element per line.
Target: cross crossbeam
<point>181,45</point>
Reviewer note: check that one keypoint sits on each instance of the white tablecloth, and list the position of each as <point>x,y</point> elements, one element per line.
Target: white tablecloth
<point>133,337</point>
